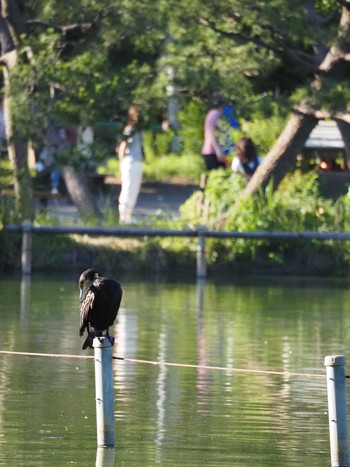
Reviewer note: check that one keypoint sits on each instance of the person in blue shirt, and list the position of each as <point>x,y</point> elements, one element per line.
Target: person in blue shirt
<point>229,121</point>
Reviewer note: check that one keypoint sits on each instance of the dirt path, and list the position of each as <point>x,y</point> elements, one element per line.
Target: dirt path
<point>162,199</point>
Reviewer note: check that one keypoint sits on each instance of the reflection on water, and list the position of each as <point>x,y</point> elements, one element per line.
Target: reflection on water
<point>171,415</point>
<point>105,457</point>
<point>25,295</point>
<point>161,393</point>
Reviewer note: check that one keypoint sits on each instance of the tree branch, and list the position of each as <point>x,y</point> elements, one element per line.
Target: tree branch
<point>336,53</point>
<point>280,47</point>
<point>82,27</point>
<point>6,42</point>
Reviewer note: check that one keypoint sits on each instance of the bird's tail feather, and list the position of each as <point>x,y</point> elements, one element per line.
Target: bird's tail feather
<point>88,341</point>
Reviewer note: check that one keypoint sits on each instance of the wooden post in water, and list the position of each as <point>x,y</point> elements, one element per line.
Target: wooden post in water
<point>337,411</point>
<point>104,392</point>
<point>201,262</point>
<point>26,257</point>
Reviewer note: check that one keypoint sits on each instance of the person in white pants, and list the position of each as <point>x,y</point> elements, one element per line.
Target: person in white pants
<point>130,152</point>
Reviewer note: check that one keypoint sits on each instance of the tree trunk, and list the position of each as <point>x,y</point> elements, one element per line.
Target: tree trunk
<point>282,156</point>
<point>18,152</point>
<point>17,149</point>
<point>80,194</point>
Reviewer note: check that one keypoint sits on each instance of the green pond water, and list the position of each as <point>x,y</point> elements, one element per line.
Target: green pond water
<point>173,415</point>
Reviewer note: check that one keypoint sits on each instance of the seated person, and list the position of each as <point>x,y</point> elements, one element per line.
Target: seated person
<point>246,160</point>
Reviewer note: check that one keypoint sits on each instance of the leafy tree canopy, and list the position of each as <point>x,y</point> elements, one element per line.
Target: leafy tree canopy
<point>253,47</point>
<point>87,60</point>
<point>96,56</point>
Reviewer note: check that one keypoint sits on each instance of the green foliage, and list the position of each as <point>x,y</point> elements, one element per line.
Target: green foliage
<point>53,255</point>
<point>265,123</point>
<point>191,119</point>
<point>295,207</point>
<point>220,194</point>
<point>156,143</point>
<point>9,213</point>
<point>10,246</point>
<point>6,173</point>
<point>29,87</point>
<point>8,207</point>
<point>334,97</point>
<point>342,207</point>
<point>221,191</point>
<point>99,56</point>
<point>96,57</point>
<point>184,168</point>
<point>325,7</point>
<point>174,166</point>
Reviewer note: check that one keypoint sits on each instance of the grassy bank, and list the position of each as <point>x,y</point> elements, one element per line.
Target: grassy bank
<point>174,257</point>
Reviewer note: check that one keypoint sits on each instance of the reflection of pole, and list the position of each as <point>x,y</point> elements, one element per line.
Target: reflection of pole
<point>26,259</point>
<point>104,392</point>
<point>200,296</point>
<point>201,263</point>
<point>105,457</point>
<point>161,393</point>
<point>337,411</point>
<point>25,295</point>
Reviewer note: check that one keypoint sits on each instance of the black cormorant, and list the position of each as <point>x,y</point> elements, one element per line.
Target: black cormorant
<point>100,299</point>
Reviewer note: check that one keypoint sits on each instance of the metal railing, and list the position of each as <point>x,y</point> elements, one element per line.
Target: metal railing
<point>200,232</point>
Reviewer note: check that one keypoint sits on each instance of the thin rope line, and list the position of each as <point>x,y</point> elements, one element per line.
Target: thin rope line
<point>180,365</point>
<point>220,368</point>
<point>38,354</point>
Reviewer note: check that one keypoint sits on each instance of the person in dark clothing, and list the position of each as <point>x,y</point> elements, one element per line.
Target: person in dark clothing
<point>247,159</point>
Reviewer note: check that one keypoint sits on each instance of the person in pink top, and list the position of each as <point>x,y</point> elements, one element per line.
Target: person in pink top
<point>212,152</point>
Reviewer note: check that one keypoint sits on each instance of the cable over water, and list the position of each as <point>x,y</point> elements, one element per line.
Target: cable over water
<point>179,365</point>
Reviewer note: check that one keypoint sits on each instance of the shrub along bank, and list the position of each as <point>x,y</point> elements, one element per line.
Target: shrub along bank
<point>177,257</point>
<point>295,207</point>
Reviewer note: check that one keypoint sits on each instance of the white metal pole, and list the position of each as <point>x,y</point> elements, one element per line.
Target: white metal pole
<point>337,410</point>
<point>104,392</point>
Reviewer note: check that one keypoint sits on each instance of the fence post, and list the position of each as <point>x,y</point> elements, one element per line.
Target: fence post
<point>337,411</point>
<point>26,256</point>
<point>201,262</point>
<point>104,392</point>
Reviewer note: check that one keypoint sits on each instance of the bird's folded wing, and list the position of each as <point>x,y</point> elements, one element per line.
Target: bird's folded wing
<point>85,308</point>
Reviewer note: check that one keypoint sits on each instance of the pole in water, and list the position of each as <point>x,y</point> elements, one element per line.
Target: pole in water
<point>104,392</point>
<point>337,410</point>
